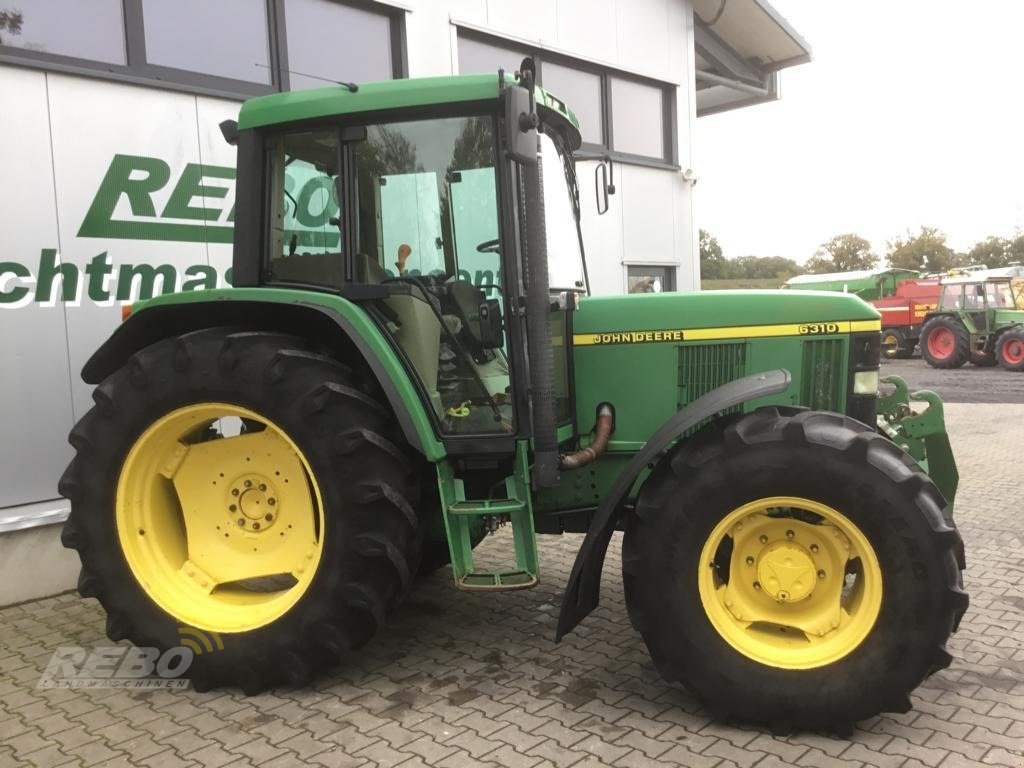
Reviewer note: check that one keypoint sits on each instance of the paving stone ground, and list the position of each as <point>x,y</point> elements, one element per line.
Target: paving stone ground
<point>468,680</point>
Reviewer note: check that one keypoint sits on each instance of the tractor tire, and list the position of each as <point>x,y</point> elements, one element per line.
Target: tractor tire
<point>1010,350</point>
<point>945,343</point>
<point>165,508</point>
<point>895,345</point>
<point>801,501</point>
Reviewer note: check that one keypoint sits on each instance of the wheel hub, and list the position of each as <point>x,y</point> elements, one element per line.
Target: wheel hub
<point>782,598</point>
<point>200,520</point>
<point>786,572</point>
<point>252,502</point>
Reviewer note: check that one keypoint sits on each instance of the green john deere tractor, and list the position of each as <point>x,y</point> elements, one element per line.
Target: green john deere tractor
<point>409,359</point>
<point>979,318</point>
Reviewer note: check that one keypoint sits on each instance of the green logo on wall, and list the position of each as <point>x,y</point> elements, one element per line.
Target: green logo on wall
<point>137,179</point>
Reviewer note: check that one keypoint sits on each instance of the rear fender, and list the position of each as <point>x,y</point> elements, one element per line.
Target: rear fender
<point>329,320</point>
<point>583,590</point>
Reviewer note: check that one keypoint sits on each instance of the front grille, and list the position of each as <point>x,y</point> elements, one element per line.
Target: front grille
<point>823,374</point>
<point>702,367</point>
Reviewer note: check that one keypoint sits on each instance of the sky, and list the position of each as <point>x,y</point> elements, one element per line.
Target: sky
<point>911,113</point>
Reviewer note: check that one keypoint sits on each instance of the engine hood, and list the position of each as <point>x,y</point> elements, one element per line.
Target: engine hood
<point>746,310</point>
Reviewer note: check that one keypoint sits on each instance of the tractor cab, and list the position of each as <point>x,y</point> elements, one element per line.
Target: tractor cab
<point>416,212</point>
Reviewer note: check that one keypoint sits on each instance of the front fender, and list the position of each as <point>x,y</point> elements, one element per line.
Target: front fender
<point>320,316</point>
<point>583,590</point>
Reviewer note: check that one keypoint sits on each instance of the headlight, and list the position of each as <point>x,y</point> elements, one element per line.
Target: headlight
<point>865,382</point>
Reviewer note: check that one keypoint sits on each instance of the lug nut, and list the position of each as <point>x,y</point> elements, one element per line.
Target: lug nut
<point>248,483</point>
<point>234,491</point>
<point>271,501</point>
<point>821,574</point>
<point>757,585</point>
<point>763,539</point>
<point>268,517</point>
<point>255,526</point>
<point>241,521</point>
<point>233,507</point>
<point>814,547</point>
<point>789,534</point>
<point>263,486</point>
<point>750,560</point>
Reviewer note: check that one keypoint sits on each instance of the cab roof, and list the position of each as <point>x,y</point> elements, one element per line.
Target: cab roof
<point>335,100</point>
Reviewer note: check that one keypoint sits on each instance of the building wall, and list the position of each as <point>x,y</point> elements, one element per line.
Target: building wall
<point>59,279</point>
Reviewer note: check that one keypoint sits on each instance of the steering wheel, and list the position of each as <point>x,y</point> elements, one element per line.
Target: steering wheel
<point>489,246</point>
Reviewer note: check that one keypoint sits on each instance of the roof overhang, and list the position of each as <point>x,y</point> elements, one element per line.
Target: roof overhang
<point>740,46</point>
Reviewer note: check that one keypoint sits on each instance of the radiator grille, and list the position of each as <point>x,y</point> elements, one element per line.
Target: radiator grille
<point>702,367</point>
<point>823,379</point>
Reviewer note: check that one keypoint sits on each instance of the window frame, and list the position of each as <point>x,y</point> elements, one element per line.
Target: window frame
<point>138,71</point>
<point>671,273</point>
<point>589,150</point>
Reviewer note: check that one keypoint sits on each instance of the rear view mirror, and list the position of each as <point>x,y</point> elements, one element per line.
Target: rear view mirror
<point>520,125</point>
<point>604,183</point>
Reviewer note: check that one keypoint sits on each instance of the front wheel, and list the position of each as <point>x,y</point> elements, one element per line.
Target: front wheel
<point>945,343</point>
<point>1010,350</point>
<point>793,569</point>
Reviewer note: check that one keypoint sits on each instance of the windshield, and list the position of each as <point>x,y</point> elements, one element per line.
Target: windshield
<point>999,295</point>
<point>565,256</point>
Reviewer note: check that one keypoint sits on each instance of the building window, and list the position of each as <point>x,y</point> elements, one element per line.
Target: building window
<point>229,48</point>
<point>650,279</point>
<point>329,41</point>
<point>581,90</point>
<point>477,57</point>
<point>93,30</point>
<point>626,116</point>
<point>231,40</point>
<point>637,118</point>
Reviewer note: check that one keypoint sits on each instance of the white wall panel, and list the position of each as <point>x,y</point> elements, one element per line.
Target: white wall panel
<point>642,31</point>
<point>648,215</point>
<point>530,19</point>
<point>214,151</point>
<point>92,122</point>
<point>35,380</point>
<point>587,28</point>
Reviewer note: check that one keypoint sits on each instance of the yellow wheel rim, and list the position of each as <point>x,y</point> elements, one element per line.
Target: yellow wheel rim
<point>790,583</point>
<point>219,517</point>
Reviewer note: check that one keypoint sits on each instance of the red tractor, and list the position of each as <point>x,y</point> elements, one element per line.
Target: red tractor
<point>904,313</point>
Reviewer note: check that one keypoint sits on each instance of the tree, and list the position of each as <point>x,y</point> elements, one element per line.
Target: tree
<point>10,21</point>
<point>993,251</point>
<point>843,253</point>
<point>764,267</point>
<point>713,265</point>
<point>1016,254</point>
<point>927,250</point>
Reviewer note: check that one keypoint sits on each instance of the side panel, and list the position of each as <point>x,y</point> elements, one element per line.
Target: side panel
<point>35,378</point>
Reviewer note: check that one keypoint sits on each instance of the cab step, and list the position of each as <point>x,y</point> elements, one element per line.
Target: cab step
<point>461,515</point>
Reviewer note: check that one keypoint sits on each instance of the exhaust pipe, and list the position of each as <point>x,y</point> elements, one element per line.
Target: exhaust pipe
<point>602,431</point>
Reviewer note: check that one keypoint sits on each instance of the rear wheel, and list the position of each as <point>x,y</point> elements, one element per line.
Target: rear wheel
<point>1010,350</point>
<point>793,569</point>
<point>945,343</point>
<point>242,494</point>
<point>895,345</point>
